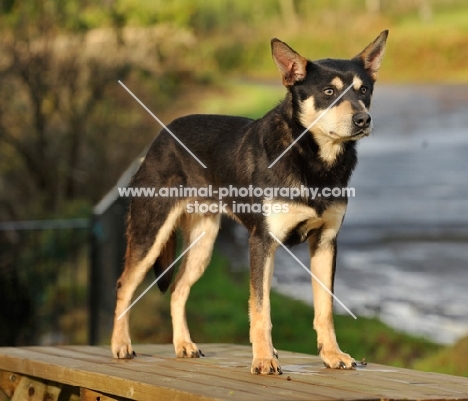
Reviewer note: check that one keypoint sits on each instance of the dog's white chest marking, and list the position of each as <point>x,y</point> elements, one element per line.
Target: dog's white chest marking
<point>280,224</point>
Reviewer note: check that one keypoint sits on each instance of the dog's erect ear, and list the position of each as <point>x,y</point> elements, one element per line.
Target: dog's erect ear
<point>372,55</point>
<point>291,65</point>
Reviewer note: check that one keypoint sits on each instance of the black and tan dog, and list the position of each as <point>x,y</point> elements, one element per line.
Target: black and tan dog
<point>242,153</point>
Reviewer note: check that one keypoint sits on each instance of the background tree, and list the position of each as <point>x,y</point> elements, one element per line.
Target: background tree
<point>67,130</point>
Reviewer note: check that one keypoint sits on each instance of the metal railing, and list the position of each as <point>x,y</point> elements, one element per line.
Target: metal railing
<point>43,283</point>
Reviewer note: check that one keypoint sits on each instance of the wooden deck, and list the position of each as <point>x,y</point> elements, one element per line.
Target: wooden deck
<point>72,373</point>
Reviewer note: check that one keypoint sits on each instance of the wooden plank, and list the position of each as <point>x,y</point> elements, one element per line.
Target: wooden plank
<point>33,389</point>
<point>408,384</point>
<point>48,390</point>
<point>53,391</point>
<point>261,387</point>
<point>30,389</point>
<point>223,375</point>
<point>271,387</point>
<point>212,370</point>
<point>9,381</point>
<point>412,384</point>
<point>201,377</point>
<point>360,385</point>
<point>107,379</point>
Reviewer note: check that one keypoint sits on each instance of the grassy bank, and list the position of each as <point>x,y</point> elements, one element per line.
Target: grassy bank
<point>217,312</point>
<point>420,48</point>
<point>425,45</point>
<point>452,360</point>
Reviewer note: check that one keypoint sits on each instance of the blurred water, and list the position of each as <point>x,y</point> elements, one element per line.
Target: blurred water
<point>403,248</point>
<point>414,169</point>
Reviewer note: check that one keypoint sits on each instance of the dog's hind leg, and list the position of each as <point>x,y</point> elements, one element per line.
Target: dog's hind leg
<point>262,253</point>
<point>144,244</point>
<point>194,264</point>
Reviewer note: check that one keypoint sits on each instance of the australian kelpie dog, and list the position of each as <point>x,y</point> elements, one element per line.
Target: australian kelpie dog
<point>307,141</point>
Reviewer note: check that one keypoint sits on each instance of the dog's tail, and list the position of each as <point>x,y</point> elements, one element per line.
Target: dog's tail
<point>163,261</point>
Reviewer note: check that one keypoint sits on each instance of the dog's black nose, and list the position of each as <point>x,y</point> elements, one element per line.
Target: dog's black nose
<point>362,120</point>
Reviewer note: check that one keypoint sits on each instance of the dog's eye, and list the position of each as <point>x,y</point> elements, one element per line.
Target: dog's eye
<point>329,92</point>
<point>363,89</point>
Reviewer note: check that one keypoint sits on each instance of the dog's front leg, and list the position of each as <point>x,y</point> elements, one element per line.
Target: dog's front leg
<point>265,358</point>
<point>323,260</point>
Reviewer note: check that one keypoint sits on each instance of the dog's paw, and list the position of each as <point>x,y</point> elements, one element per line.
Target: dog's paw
<point>188,350</point>
<point>337,360</point>
<point>123,351</point>
<point>266,366</point>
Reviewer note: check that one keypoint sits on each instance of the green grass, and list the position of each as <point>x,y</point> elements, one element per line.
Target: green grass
<point>418,50</point>
<point>451,360</point>
<point>251,99</point>
<point>217,312</point>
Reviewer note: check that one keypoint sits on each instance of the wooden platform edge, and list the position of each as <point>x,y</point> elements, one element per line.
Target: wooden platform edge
<point>18,387</point>
<point>86,373</point>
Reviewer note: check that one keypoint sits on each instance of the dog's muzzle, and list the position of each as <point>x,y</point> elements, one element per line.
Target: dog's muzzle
<point>362,125</point>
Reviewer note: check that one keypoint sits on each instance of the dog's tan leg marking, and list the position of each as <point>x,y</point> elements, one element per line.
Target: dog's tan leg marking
<point>323,255</point>
<point>131,277</point>
<point>193,266</point>
<point>265,357</point>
